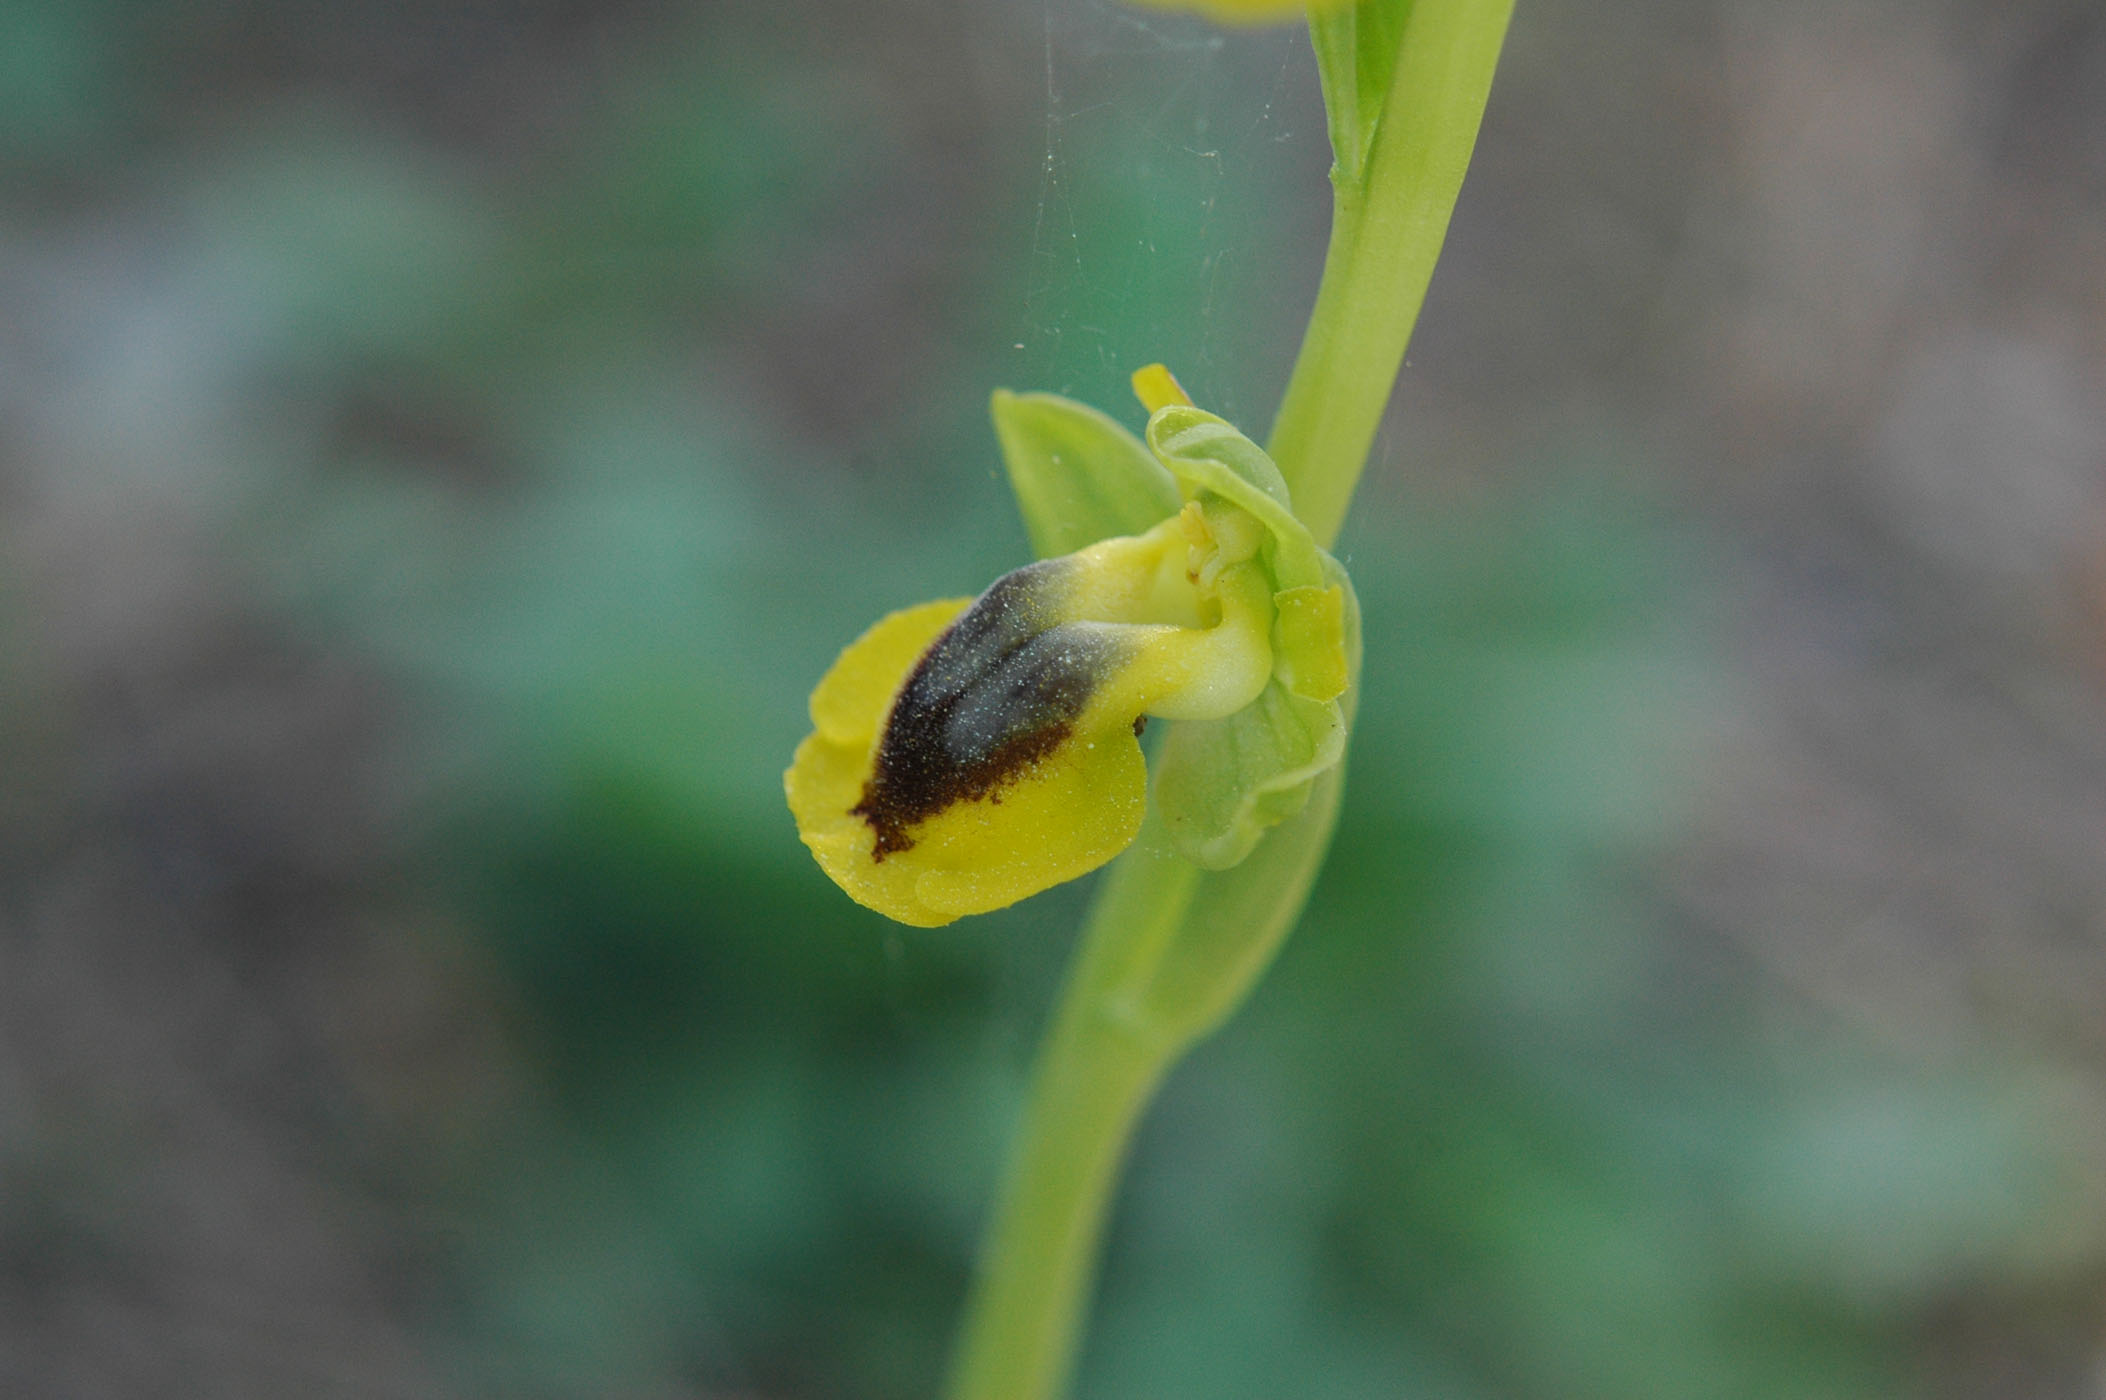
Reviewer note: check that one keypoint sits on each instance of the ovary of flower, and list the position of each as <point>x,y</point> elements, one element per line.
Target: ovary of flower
<point>966,755</point>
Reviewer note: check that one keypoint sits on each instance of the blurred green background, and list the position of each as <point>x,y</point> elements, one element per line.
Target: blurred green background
<point>440,445</point>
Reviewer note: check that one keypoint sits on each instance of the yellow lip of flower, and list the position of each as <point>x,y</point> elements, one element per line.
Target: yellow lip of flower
<point>968,754</point>
<point>1248,11</point>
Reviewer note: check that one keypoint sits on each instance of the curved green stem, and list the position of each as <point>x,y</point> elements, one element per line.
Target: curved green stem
<point>1389,218</point>
<point>1099,1066</point>
<point>1170,950</point>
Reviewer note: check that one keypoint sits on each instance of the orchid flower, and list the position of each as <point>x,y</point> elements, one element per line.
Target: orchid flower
<point>968,753</point>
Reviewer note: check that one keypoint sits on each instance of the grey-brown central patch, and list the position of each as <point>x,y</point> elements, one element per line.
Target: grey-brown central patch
<point>996,693</point>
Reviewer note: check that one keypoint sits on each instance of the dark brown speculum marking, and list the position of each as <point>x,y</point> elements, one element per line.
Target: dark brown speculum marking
<point>996,693</point>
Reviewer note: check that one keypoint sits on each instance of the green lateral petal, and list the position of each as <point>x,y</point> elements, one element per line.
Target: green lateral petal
<point>1079,476</point>
<point>1220,785</point>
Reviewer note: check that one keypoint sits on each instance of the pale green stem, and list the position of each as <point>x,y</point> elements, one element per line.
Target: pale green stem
<point>1386,234</point>
<point>1120,1027</point>
<point>1096,1071</point>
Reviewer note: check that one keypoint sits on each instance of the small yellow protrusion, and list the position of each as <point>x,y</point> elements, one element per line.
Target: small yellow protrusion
<point>1311,626</point>
<point>1157,388</point>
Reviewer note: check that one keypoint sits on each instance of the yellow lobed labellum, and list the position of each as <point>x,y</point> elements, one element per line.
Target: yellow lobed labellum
<point>967,754</point>
<point>1070,812</point>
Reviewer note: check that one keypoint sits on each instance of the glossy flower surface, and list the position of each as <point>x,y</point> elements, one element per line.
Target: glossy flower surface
<point>968,753</point>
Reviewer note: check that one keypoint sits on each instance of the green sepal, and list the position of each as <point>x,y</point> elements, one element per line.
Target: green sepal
<point>1079,477</point>
<point>1220,785</point>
